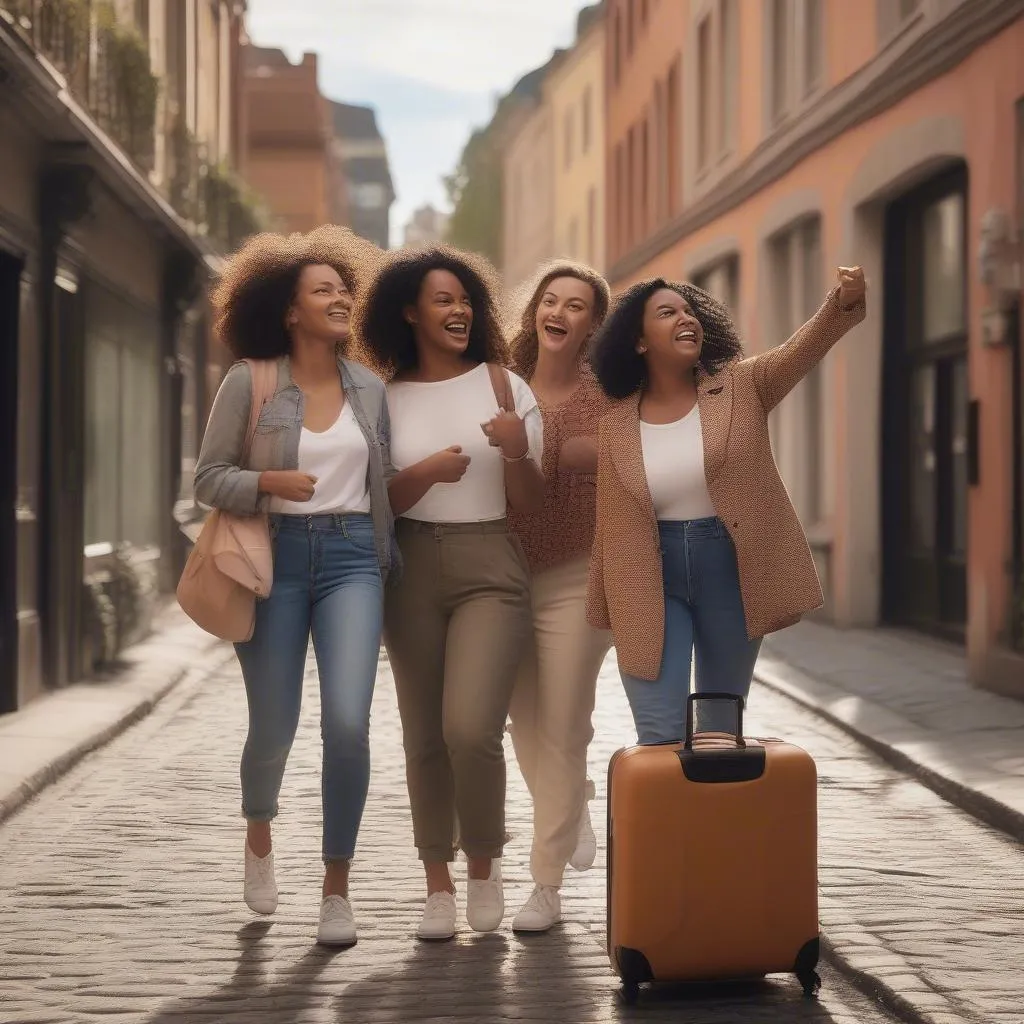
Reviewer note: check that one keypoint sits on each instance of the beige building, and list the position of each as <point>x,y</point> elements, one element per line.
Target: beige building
<point>574,91</point>
<point>117,199</point>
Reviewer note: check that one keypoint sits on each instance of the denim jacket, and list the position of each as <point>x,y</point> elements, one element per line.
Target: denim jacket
<point>221,482</point>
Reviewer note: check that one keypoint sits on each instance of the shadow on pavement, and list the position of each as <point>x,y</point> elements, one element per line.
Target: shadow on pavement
<point>248,996</point>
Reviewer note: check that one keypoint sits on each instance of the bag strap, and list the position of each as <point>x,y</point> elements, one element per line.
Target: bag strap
<point>502,385</point>
<point>264,384</point>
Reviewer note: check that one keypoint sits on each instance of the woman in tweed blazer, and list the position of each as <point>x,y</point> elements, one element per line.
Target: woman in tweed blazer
<point>698,549</point>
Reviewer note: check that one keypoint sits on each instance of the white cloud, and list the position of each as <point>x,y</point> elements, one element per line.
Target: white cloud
<point>455,54</point>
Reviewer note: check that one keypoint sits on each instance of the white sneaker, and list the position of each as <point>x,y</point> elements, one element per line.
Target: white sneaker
<point>337,925</point>
<point>485,901</point>
<point>585,854</point>
<point>260,888</point>
<point>439,916</point>
<point>540,912</point>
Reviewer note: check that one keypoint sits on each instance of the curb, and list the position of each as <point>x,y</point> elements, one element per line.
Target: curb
<point>979,805</point>
<point>129,713</point>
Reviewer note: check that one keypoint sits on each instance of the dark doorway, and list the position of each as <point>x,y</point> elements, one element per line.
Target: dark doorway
<point>928,434</point>
<point>10,292</point>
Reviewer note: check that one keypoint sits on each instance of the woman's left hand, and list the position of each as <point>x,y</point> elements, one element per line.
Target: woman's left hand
<point>507,432</point>
<point>852,286</point>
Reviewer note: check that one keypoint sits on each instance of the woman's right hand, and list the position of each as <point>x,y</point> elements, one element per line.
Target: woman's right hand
<point>448,466</point>
<point>288,484</point>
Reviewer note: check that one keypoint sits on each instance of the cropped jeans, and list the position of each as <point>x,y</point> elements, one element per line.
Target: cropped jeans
<point>704,627</point>
<point>327,583</point>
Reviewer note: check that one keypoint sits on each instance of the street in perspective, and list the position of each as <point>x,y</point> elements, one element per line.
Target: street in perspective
<point>747,277</point>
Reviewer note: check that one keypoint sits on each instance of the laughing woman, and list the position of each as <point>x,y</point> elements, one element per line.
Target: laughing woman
<point>554,696</point>
<point>319,466</point>
<point>699,552</point>
<point>466,440</point>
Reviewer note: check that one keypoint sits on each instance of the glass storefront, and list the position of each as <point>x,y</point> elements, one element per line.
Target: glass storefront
<point>123,500</point>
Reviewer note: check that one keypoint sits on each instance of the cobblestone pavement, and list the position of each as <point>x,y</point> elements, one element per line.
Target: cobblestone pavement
<point>121,900</point>
<point>909,697</point>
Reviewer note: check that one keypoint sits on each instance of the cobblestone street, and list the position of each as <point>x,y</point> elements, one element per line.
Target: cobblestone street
<point>122,901</point>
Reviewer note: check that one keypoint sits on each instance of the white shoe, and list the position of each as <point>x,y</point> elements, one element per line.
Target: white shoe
<point>543,910</point>
<point>485,901</point>
<point>337,925</point>
<point>585,854</point>
<point>439,916</point>
<point>260,888</point>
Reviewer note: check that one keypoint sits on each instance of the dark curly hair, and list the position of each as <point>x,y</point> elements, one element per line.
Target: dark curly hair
<point>388,338</point>
<point>251,298</point>
<point>524,344</point>
<point>621,370</point>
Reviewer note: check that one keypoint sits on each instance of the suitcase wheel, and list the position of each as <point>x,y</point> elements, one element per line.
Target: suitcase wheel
<point>811,982</point>
<point>630,992</point>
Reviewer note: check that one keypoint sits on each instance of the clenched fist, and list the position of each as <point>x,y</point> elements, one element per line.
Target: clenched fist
<point>447,466</point>
<point>507,432</point>
<point>288,484</point>
<point>852,286</point>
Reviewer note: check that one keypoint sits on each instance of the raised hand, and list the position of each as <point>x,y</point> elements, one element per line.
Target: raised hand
<point>852,286</point>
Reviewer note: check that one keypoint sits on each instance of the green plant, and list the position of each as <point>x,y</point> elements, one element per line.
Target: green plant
<point>129,91</point>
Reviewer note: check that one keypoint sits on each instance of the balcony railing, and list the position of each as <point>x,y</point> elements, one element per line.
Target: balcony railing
<point>107,67</point>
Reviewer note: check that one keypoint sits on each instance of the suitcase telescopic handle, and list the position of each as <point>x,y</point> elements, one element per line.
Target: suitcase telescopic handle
<point>691,702</point>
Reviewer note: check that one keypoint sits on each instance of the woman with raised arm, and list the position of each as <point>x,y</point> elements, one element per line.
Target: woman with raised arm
<point>467,438</point>
<point>318,465</point>
<point>554,696</point>
<point>699,552</point>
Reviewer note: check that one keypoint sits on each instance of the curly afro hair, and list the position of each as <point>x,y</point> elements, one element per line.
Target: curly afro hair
<point>524,344</point>
<point>251,298</point>
<point>387,337</point>
<point>621,370</point>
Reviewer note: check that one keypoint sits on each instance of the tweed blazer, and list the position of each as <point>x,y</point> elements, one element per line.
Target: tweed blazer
<point>778,580</point>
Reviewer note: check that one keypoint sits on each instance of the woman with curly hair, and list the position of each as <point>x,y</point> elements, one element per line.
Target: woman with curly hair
<point>553,700</point>
<point>319,466</point>
<point>699,552</point>
<point>467,438</point>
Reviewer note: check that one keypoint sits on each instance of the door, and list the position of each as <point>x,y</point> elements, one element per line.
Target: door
<point>927,424</point>
<point>10,290</point>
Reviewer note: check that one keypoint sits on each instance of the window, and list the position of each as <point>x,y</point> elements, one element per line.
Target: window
<point>592,225</point>
<point>568,138</point>
<point>722,280</point>
<point>795,273</point>
<point>796,58</point>
<point>630,25</point>
<point>704,99</point>
<point>673,139</point>
<point>369,196</point>
<point>586,113</point>
<point>616,48</point>
<point>717,85</point>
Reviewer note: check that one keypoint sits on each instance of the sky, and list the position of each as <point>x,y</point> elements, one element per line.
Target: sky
<point>433,69</point>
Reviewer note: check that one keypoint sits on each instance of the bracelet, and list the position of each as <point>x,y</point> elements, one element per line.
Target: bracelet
<point>518,458</point>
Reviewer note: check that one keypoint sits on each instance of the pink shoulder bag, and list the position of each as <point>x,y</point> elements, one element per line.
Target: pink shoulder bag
<point>232,562</point>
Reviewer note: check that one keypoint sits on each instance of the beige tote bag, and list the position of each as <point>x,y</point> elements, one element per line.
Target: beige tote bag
<point>232,563</point>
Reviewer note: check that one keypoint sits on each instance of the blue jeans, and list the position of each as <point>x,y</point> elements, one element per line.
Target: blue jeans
<point>326,582</point>
<point>703,619</point>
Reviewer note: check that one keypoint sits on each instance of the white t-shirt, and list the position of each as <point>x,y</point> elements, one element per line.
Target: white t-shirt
<point>427,417</point>
<point>674,464</point>
<point>339,458</point>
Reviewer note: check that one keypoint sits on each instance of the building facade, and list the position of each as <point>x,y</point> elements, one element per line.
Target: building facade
<point>753,147</point>
<point>116,199</point>
<point>287,138</point>
<point>362,156</point>
<point>574,90</point>
<point>425,226</point>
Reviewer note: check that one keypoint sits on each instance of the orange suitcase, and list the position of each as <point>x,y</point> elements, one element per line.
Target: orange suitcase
<point>712,859</point>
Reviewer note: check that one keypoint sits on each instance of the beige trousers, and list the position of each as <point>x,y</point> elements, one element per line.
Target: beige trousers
<point>551,711</point>
<point>455,626</point>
